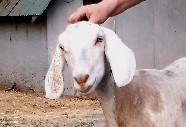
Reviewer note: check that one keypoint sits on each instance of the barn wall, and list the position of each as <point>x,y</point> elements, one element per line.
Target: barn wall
<point>23,54</point>
<point>155,31</point>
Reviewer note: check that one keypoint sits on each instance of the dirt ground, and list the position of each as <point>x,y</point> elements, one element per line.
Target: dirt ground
<point>31,110</point>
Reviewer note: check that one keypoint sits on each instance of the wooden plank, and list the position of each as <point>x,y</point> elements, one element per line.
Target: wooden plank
<point>6,6</point>
<point>38,7</point>
<point>29,7</point>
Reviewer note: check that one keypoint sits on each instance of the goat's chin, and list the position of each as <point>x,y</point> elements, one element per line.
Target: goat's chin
<point>90,90</point>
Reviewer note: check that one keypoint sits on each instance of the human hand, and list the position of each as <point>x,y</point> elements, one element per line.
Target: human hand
<point>100,12</point>
<point>96,13</point>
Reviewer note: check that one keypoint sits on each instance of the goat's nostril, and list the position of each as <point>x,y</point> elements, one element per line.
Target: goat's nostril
<point>81,79</point>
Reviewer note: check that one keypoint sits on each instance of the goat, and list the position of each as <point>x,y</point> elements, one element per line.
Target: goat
<point>101,62</point>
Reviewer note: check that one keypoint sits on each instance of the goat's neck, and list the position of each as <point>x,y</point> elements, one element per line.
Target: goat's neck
<point>105,94</point>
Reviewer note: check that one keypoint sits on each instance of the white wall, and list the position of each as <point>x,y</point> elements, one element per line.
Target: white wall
<point>23,55</point>
<point>155,30</point>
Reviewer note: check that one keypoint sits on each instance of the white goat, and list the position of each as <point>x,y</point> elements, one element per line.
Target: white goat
<point>143,98</point>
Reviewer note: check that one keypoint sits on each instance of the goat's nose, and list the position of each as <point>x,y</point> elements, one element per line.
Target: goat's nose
<point>81,79</point>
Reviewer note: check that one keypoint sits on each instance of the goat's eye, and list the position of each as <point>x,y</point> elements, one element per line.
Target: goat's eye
<point>62,48</point>
<point>98,40</point>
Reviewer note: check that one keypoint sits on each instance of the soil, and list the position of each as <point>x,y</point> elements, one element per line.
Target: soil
<point>32,110</point>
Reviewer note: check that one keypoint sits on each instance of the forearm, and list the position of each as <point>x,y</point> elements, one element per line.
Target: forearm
<point>115,7</point>
<point>100,12</point>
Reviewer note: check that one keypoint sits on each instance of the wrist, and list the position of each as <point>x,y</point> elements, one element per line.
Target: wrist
<point>109,6</point>
<point>115,7</point>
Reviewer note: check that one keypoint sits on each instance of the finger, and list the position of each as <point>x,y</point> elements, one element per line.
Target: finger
<point>72,19</point>
<point>97,20</point>
<point>94,20</point>
<point>77,16</point>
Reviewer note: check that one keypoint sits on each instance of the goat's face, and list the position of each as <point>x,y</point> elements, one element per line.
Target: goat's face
<point>83,45</point>
<point>83,49</point>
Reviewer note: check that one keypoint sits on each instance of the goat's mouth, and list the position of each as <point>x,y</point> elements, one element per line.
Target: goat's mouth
<point>88,88</point>
<point>85,90</point>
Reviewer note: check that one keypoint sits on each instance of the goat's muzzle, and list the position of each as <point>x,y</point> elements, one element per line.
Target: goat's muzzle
<point>81,80</point>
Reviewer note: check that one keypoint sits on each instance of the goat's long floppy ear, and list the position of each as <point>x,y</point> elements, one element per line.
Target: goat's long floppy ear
<point>120,57</point>
<point>54,83</point>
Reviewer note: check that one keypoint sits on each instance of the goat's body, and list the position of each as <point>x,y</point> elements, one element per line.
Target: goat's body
<point>154,98</point>
<point>147,98</point>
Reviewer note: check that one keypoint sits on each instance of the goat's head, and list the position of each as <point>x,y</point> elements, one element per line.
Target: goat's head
<point>83,45</point>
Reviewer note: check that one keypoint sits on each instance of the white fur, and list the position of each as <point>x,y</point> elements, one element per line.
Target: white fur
<point>54,78</point>
<point>86,57</point>
<point>121,58</point>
